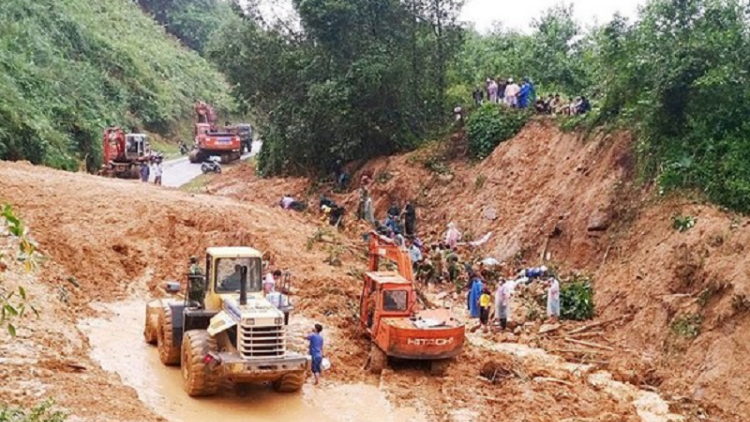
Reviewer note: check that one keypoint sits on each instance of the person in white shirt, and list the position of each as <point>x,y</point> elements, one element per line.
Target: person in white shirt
<point>269,282</point>
<point>511,93</point>
<point>553,299</point>
<point>157,173</point>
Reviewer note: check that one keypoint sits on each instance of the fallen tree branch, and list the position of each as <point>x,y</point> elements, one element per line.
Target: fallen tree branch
<point>589,344</point>
<point>586,335</point>
<point>594,325</point>
<point>579,352</point>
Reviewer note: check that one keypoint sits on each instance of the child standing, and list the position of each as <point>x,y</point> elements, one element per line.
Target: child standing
<point>484,308</point>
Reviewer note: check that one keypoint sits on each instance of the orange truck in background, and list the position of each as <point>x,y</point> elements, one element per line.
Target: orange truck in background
<point>211,140</point>
<point>390,314</point>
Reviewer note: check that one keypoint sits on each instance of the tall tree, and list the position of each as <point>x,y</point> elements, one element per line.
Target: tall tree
<point>361,79</point>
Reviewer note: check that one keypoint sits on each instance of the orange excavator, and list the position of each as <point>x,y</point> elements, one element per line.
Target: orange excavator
<point>211,140</point>
<point>123,153</point>
<point>390,314</point>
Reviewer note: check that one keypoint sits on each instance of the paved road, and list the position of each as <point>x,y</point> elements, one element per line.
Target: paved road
<point>179,171</point>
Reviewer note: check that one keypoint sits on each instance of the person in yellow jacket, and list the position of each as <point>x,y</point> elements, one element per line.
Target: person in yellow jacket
<point>485,301</point>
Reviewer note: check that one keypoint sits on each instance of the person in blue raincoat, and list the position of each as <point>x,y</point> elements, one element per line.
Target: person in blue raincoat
<point>474,293</point>
<point>525,93</point>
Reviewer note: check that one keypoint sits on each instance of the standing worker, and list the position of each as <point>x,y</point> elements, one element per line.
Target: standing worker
<point>269,282</point>
<point>415,254</point>
<point>369,215</point>
<point>473,298</point>
<point>197,283</point>
<point>316,350</point>
<point>553,299</point>
<point>525,93</point>
<point>157,173</point>
<point>145,172</point>
<point>485,300</point>
<point>410,219</point>
<point>452,236</point>
<point>502,303</point>
<point>195,269</point>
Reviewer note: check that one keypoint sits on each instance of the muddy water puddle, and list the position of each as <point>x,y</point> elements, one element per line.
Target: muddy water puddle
<point>117,344</point>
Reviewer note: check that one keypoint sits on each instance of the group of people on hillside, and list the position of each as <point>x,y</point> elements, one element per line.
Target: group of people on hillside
<point>480,297</point>
<point>554,104</point>
<point>505,91</point>
<point>511,94</point>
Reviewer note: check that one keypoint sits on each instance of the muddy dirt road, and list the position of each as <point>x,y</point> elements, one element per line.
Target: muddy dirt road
<point>180,171</point>
<point>117,343</point>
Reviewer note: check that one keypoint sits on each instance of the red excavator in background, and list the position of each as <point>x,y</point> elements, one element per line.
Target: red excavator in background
<point>123,153</point>
<point>390,314</point>
<point>213,141</point>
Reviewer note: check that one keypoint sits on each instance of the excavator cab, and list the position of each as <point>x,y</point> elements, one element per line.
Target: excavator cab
<point>385,295</point>
<point>136,146</point>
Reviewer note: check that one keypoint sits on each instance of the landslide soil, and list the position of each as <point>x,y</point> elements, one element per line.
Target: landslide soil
<point>679,300</point>
<point>107,240</point>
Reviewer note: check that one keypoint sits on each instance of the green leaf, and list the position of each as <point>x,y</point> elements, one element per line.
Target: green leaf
<point>10,310</point>
<point>12,330</point>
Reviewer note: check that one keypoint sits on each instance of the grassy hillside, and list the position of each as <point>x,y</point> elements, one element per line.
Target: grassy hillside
<point>68,68</point>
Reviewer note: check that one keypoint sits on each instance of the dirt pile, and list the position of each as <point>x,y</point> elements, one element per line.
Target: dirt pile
<point>680,299</point>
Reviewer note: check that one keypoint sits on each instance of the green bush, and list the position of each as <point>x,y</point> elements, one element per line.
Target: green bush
<point>490,125</point>
<point>69,68</point>
<point>687,326</point>
<point>39,413</point>
<point>577,299</point>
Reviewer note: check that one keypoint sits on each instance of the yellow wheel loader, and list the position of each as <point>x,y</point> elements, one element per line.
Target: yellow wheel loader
<point>225,329</point>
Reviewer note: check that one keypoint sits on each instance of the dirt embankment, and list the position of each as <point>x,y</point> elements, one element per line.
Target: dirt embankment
<point>681,298</point>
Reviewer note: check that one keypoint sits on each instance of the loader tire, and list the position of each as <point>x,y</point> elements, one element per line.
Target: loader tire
<point>290,382</point>
<point>198,379</point>
<point>378,359</point>
<point>169,354</point>
<point>151,326</point>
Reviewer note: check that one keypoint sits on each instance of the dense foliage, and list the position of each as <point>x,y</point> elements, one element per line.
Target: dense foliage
<point>678,76</point>
<point>68,68</point>
<point>192,21</point>
<point>577,299</point>
<point>490,125</point>
<point>43,412</point>
<point>360,79</point>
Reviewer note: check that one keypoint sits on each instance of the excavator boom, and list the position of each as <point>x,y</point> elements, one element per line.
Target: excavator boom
<point>381,246</point>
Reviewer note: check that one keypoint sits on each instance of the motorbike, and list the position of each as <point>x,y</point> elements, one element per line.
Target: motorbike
<point>211,166</point>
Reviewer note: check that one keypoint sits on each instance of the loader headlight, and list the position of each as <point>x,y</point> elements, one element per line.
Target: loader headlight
<point>278,321</point>
<point>249,321</point>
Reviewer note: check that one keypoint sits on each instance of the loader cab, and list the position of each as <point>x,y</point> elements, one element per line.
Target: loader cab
<point>385,294</point>
<point>137,145</point>
<point>224,267</point>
